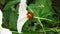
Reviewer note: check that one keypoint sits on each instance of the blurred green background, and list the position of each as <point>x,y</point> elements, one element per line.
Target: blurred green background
<point>46,16</point>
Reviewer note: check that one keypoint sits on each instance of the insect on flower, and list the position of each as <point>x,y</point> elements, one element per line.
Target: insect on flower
<point>22,18</point>
<point>3,30</point>
<point>30,15</point>
<point>23,15</point>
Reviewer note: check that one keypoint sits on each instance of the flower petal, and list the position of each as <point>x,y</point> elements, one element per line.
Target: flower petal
<point>22,7</point>
<point>5,31</point>
<point>23,1</point>
<point>0,18</point>
<point>22,18</point>
<point>21,23</point>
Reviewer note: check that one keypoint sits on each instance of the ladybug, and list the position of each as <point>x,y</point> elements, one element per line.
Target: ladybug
<point>30,15</point>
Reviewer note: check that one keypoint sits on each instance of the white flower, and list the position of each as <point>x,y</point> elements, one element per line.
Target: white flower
<point>3,30</point>
<point>22,18</point>
<point>0,18</point>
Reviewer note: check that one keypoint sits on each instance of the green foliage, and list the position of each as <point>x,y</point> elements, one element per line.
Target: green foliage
<point>10,5</point>
<point>2,2</point>
<point>43,20</point>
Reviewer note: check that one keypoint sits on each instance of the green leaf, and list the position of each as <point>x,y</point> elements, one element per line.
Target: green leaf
<point>2,1</point>
<point>13,20</point>
<point>10,4</point>
<point>39,10</point>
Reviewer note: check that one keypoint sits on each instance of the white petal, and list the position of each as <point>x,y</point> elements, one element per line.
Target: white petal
<point>0,17</point>
<point>22,10</point>
<point>5,31</point>
<point>22,7</point>
<point>22,18</point>
<point>23,1</point>
<point>21,23</point>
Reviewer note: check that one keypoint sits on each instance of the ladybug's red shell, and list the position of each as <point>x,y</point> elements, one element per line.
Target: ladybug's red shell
<point>30,15</point>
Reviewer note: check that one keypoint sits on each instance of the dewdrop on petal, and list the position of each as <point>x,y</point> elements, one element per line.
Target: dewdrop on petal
<point>3,30</point>
<point>22,18</point>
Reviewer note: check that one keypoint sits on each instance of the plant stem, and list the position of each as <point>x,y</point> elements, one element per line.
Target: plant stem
<point>14,31</point>
<point>42,26</point>
<point>43,18</point>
